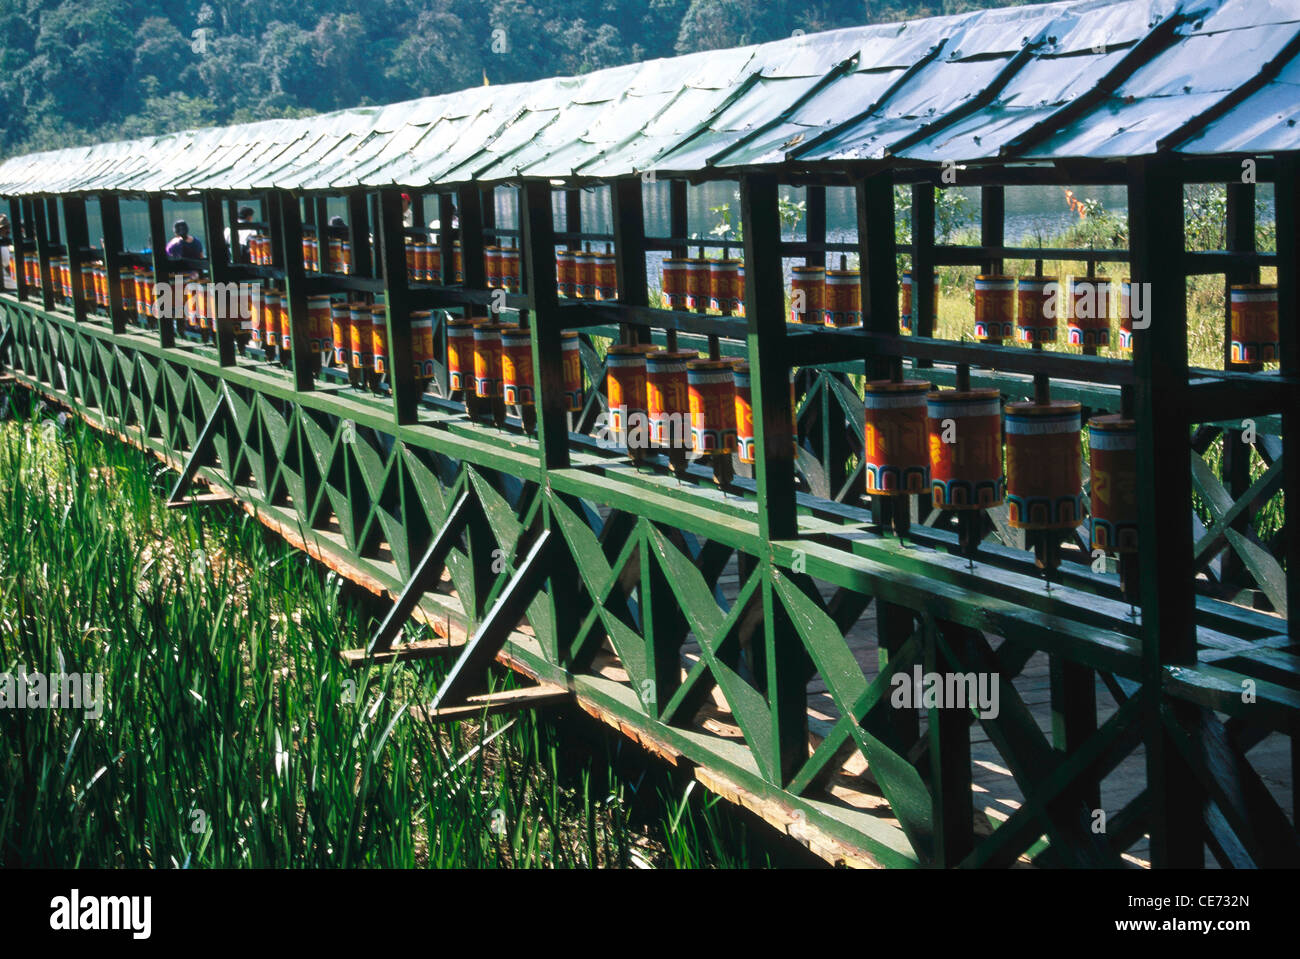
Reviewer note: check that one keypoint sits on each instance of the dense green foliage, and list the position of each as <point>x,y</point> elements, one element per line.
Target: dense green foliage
<point>229,733</point>
<point>80,71</point>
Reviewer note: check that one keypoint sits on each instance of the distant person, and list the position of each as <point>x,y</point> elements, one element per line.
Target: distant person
<point>6,255</point>
<point>408,215</point>
<point>245,216</point>
<point>182,245</point>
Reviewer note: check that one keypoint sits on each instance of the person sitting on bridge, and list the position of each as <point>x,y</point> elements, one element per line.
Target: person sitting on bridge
<point>245,215</point>
<point>182,245</point>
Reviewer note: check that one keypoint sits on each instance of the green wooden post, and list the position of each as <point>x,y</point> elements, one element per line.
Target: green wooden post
<point>220,272</point>
<point>447,238</point>
<point>110,214</point>
<point>18,254</point>
<point>43,253</point>
<point>74,213</point>
<point>1287,206</point>
<point>1235,465</point>
<point>923,303</point>
<point>628,209</point>
<point>1155,202</point>
<point>548,371</point>
<point>392,247</point>
<point>161,265</point>
<point>359,232</point>
<point>295,282</point>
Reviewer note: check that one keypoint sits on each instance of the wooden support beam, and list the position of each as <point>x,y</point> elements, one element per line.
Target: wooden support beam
<point>43,254</point>
<point>548,371</point>
<point>162,268</point>
<point>993,211</point>
<point>359,231</point>
<point>392,247</point>
<point>419,651</point>
<point>18,235</point>
<point>220,272</point>
<point>1160,355</point>
<point>74,214</point>
<point>1287,216</point>
<point>110,216</point>
<point>923,302</point>
<point>201,453</point>
<point>202,499</point>
<point>678,215</point>
<point>447,237</point>
<point>295,281</point>
<point>495,704</point>
<point>629,251</point>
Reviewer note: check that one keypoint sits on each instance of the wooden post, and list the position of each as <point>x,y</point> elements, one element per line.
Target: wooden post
<point>923,304</point>
<point>17,252</point>
<point>392,247</point>
<point>110,215</point>
<point>1287,215</point>
<point>1235,466</point>
<point>359,233</point>
<point>548,371</point>
<point>471,237</point>
<point>447,238</point>
<point>295,282</point>
<point>74,213</point>
<point>628,208</point>
<point>816,226</point>
<point>220,272</point>
<point>678,218</point>
<point>993,214</point>
<point>1155,202</point>
<point>572,215</point>
<point>161,265</point>
<point>43,253</point>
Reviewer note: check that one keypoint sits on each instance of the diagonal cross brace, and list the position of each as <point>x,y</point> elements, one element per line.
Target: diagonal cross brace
<point>425,576</point>
<point>202,448</point>
<point>495,629</point>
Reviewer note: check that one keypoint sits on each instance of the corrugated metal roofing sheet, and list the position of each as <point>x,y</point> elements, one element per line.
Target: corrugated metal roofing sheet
<point>1072,79</point>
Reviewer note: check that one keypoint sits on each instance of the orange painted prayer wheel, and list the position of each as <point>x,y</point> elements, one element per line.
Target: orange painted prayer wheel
<point>345,258</point>
<point>510,269</point>
<point>668,401</point>
<point>1126,307</point>
<point>422,355</point>
<point>286,334</point>
<point>1254,323</point>
<point>1089,323</point>
<point>379,338</point>
<point>1112,445</point>
<point>605,282</point>
<point>808,294</point>
<point>698,282</point>
<point>487,358</point>
<point>341,332</point>
<point>460,353</point>
<point>1044,465</point>
<point>363,355</point>
<point>571,363</point>
<point>674,282</point>
<point>270,318</point>
<point>842,298</point>
<point>965,430</point>
<point>725,285</point>
<point>336,254</point>
<point>517,367</point>
<point>413,261</point>
<point>492,266</point>
<point>435,263</point>
<point>126,287</point>
<point>320,331</point>
<point>744,412</point>
<point>711,398</point>
<point>625,385</point>
<point>566,273</point>
<point>896,454</point>
<point>584,270</point>
<point>995,307</point>
<point>1036,302</point>
<point>906,313</point>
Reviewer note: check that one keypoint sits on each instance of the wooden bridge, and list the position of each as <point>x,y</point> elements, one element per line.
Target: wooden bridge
<point>745,612</point>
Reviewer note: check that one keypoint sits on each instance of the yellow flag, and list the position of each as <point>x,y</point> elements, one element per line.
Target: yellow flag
<point>485,79</point>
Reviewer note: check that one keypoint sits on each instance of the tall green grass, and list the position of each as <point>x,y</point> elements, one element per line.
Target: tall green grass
<point>231,733</point>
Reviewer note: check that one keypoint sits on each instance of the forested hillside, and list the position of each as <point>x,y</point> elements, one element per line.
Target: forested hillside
<point>79,71</point>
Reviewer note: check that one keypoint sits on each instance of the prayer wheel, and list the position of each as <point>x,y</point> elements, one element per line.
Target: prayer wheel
<point>487,359</point>
<point>345,257</point>
<point>413,272</point>
<point>807,294</point>
<point>419,260</point>
<point>144,296</point>
<point>995,307</point>
<point>65,277</point>
<point>517,366</point>
<point>625,386</point>
<point>510,270</point>
<point>674,282</point>
<point>1126,314</point>
<point>896,456</point>
<point>336,254</point>
<point>571,363</point>
<point>1037,309</point>
<point>1044,465</point>
<point>1089,323</point>
<point>725,290</point>
<point>270,318</point>
<point>698,281</point>
<point>363,356</point>
<point>1112,444</point>
<point>842,297</point>
<point>457,263</point>
<point>286,334</point>
<point>435,263</point>
<point>1254,324</point>
<point>584,271</point>
<point>965,430</point>
<point>668,404</point>
<point>566,273</point>
<point>379,338</point>
<point>605,283</point>
<point>341,333</point>
<point>905,313</point>
<point>422,355</point>
<point>744,412</point>
<point>492,266</point>
<point>460,353</point>
<point>320,330</point>
<point>711,399</point>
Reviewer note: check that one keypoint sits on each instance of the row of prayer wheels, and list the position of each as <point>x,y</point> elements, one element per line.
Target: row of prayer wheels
<point>700,284</point>
<point>949,444</point>
<point>424,262</point>
<point>825,297</point>
<point>494,362</point>
<point>1031,307</point>
<point>586,274</point>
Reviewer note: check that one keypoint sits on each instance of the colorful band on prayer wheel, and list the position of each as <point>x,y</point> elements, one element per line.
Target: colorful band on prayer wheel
<point>584,274</point>
<point>460,353</point>
<point>517,367</point>
<point>571,364</point>
<point>668,403</point>
<point>1044,465</point>
<point>605,276</point>
<point>1037,308</point>
<point>995,308</point>
<point>341,332</point>
<point>896,454</point>
<point>379,338</point>
<point>492,266</point>
<point>842,298</point>
<point>807,294</point>
<point>363,355</point>
<point>724,285</point>
<point>674,282</point>
<point>319,329</point>
<point>510,269</point>
<point>965,448</point>
<point>1089,323</point>
<point>711,398</point>
<point>698,284</point>
<point>487,359</point>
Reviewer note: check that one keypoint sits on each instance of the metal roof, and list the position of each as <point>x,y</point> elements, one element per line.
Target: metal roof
<point>1078,79</point>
